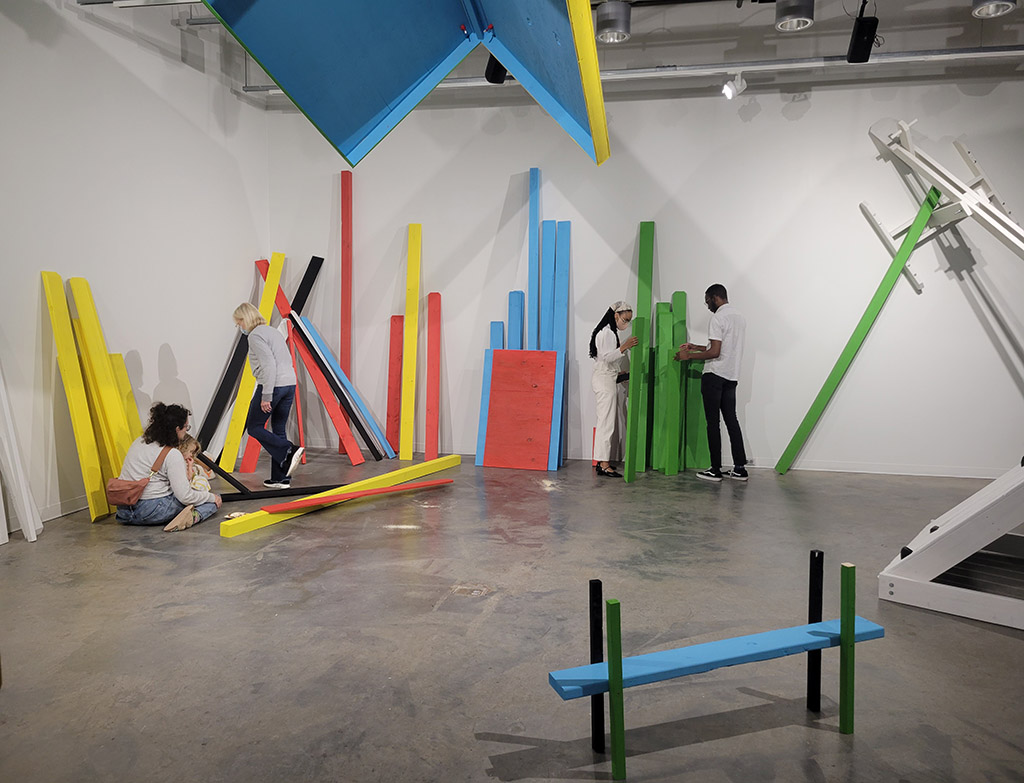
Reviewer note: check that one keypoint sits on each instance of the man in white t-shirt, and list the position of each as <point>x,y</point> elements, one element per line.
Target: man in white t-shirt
<point>722,356</point>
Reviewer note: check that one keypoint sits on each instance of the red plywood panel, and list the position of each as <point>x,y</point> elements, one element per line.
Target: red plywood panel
<point>519,413</point>
<point>433,375</point>
<point>393,424</point>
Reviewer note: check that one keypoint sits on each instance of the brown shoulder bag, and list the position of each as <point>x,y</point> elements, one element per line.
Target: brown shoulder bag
<point>121,492</point>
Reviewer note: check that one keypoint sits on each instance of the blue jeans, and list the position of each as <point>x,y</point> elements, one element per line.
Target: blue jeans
<point>159,511</point>
<point>275,439</point>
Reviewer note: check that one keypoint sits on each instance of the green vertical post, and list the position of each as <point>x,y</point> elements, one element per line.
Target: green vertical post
<point>696,454</point>
<point>847,617</point>
<point>674,391</point>
<point>637,389</point>
<point>860,333</point>
<point>644,305</point>
<point>616,711</point>
<point>663,372</point>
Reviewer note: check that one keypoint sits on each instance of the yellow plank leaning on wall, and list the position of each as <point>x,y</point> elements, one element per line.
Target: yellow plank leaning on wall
<point>104,444</point>
<point>247,385</point>
<point>124,388</point>
<point>95,354</point>
<point>74,391</point>
<point>410,341</point>
<point>246,524</point>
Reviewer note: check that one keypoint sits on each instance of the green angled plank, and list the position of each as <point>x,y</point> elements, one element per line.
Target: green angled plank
<point>674,390</point>
<point>663,368</point>
<point>860,333</point>
<point>644,305</point>
<point>635,423</point>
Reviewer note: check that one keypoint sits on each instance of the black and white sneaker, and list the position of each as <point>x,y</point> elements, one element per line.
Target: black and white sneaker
<point>282,484</point>
<point>293,460</point>
<point>740,474</point>
<point>710,475</point>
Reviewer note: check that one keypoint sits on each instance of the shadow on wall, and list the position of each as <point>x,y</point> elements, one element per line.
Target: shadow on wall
<point>133,362</point>
<point>170,388</point>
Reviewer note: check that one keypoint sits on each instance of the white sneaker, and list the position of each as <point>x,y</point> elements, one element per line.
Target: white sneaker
<point>296,460</point>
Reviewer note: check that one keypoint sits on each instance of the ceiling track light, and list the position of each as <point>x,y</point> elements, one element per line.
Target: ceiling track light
<point>734,86</point>
<point>990,9</point>
<point>793,15</point>
<point>613,21</point>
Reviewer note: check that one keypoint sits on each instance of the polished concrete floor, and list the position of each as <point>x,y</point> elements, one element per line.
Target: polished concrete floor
<point>408,638</point>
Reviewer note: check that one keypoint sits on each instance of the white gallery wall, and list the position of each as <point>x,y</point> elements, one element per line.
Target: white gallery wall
<point>127,159</point>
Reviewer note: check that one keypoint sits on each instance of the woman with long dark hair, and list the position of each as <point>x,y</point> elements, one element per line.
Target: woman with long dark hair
<point>168,497</point>
<point>611,366</point>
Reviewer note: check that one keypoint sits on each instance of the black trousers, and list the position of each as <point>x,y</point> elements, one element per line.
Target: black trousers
<point>720,397</point>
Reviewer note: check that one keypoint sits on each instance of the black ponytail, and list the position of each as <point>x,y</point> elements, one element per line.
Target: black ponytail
<point>164,421</point>
<point>608,320</point>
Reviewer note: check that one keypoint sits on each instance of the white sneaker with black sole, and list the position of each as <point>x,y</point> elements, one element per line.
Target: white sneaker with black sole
<point>739,474</point>
<point>293,462</point>
<point>271,484</point>
<point>710,475</point>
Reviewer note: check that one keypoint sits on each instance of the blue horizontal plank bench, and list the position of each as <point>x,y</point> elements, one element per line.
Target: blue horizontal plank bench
<point>618,673</point>
<point>698,658</point>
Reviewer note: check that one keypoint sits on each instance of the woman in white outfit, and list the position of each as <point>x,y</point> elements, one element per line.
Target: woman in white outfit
<point>611,368</point>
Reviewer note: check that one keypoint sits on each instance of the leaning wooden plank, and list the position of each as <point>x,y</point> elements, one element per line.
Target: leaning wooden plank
<point>533,251</point>
<point>310,503</point>
<point>860,333</point>
<point>521,401</point>
<point>95,353</point>
<point>485,407</point>
<point>515,320</point>
<point>432,434</point>
<point>635,422</point>
<point>345,298</point>
<point>247,385</point>
<point>589,680</point>
<point>548,242</point>
<point>124,389</point>
<point>557,424</point>
<point>412,322</point>
<point>104,443</point>
<point>674,391</point>
<point>74,391</point>
<point>664,365</point>
<point>12,466</point>
<point>3,514</point>
<point>640,357</point>
<point>230,528</point>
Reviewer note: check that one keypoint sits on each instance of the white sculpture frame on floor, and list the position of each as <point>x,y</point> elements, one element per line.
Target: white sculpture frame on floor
<point>15,477</point>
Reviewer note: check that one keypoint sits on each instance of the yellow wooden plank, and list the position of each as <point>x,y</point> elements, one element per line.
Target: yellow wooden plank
<point>124,388</point>
<point>230,528</point>
<point>247,386</point>
<point>104,444</point>
<point>95,354</point>
<point>582,23</point>
<point>410,341</point>
<point>74,391</point>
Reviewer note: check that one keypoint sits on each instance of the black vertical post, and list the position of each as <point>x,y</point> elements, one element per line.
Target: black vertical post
<point>596,656</point>
<point>814,608</point>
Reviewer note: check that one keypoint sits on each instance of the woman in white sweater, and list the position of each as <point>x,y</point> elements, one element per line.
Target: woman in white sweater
<point>271,364</point>
<point>611,367</point>
<point>168,497</point>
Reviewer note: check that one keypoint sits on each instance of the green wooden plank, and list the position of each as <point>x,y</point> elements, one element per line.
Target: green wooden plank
<point>637,390</point>
<point>860,333</point>
<point>696,454</point>
<point>616,710</point>
<point>660,436</point>
<point>847,618</point>
<point>644,305</point>
<point>674,397</point>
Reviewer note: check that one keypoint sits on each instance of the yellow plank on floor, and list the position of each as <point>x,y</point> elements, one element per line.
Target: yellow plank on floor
<point>247,385</point>
<point>230,528</point>
<point>124,388</point>
<point>410,341</point>
<point>74,391</point>
<point>95,354</point>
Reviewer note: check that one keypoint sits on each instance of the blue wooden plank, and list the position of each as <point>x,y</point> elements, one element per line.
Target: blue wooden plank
<point>557,421</point>
<point>665,665</point>
<point>533,244</point>
<point>485,403</point>
<point>335,368</point>
<point>497,335</point>
<point>547,285</point>
<point>563,244</point>
<point>515,320</point>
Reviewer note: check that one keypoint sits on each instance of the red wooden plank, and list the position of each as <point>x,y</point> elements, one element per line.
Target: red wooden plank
<point>433,428</point>
<point>345,346</point>
<point>331,404</point>
<point>519,412</point>
<point>393,424</point>
<point>326,500</point>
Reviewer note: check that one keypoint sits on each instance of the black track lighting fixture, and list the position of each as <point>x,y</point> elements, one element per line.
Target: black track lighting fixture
<point>863,37</point>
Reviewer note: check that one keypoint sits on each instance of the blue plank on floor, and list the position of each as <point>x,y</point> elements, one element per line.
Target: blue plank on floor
<point>665,665</point>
